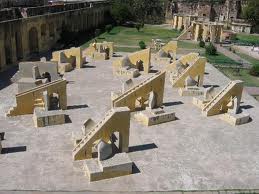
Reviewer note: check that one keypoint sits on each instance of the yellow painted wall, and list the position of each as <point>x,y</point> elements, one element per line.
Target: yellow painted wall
<point>143,55</point>
<point>70,54</point>
<point>25,101</point>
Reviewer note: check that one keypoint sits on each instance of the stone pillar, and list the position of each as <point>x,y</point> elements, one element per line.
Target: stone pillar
<point>62,93</point>
<point>213,33</point>
<point>25,39</point>
<point>221,33</point>
<point>175,22</point>
<point>196,32</point>
<point>13,47</point>
<point>180,22</point>
<point>205,32</point>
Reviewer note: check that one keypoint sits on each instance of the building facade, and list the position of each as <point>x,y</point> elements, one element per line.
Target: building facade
<point>216,10</point>
<point>40,28</point>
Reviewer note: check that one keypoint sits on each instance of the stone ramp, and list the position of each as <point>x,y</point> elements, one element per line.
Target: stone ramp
<point>184,60</point>
<point>196,68</point>
<point>115,120</point>
<point>154,83</point>
<point>220,101</point>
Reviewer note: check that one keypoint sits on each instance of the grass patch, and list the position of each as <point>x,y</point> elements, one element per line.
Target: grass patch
<point>220,59</point>
<point>243,75</point>
<point>247,39</point>
<point>188,45</point>
<point>252,60</point>
<point>130,36</point>
<point>126,49</point>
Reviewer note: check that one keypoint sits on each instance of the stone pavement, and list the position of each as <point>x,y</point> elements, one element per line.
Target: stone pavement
<point>193,153</point>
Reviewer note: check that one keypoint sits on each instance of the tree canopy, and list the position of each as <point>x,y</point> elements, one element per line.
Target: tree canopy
<point>251,11</point>
<point>137,10</point>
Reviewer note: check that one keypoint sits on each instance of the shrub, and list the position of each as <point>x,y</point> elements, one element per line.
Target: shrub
<point>108,28</point>
<point>142,44</point>
<point>254,71</point>
<point>211,49</point>
<point>202,44</point>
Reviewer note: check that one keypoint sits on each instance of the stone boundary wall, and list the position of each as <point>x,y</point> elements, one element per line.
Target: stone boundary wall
<point>25,37</point>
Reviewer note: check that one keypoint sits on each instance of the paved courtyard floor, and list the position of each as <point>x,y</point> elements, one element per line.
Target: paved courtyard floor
<point>191,153</point>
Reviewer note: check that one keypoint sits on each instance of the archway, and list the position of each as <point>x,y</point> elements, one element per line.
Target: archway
<point>47,76</point>
<point>54,102</point>
<point>33,40</point>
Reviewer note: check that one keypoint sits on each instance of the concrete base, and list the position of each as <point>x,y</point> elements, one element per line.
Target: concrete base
<point>191,91</point>
<point>184,160</point>
<point>199,101</point>
<point>76,137</point>
<point>64,67</point>
<point>154,117</point>
<point>43,118</point>
<point>235,119</point>
<point>119,165</point>
<point>163,60</point>
<point>127,72</point>
<point>99,56</point>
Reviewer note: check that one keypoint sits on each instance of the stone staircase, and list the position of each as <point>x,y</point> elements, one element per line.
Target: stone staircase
<point>195,68</point>
<point>137,87</point>
<point>223,95</point>
<point>180,75</point>
<point>92,133</point>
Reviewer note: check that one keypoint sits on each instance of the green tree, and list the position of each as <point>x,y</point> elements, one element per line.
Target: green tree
<point>211,49</point>
<point>251,11</point>
<point>120,12</point>
<point>108,28</point>
<point>254,71</point>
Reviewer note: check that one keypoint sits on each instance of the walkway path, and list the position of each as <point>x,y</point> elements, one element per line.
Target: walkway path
<point>233,56</point>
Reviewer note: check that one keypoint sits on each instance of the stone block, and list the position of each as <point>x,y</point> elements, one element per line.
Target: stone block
<point>154,117</point>
<point>99,56</point>
<point>191,91</point>
<point>44,118</point>
<point>119,165</point>
<point>200,102</point>
<point>64,67</point>
<point>127,72</point>
<point>235,119</point>
<point>163,61</point>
